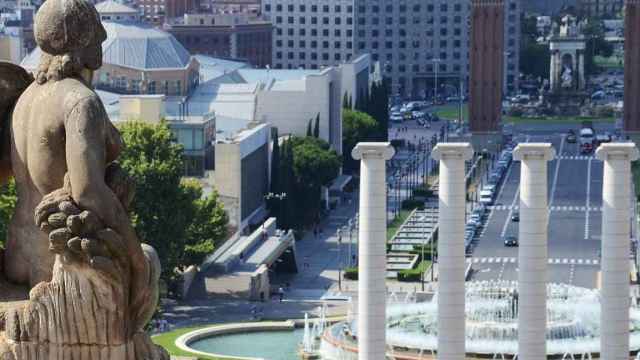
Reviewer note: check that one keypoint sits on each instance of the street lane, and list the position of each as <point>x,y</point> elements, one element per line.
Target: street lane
<point>575,199</point>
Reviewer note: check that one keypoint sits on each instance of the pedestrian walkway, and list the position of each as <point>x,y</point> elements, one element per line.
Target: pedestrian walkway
<point>513,260</point>
<point>553,208</point>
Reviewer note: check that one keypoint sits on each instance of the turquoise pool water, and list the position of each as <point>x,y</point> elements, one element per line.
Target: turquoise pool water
<point>269,345</point>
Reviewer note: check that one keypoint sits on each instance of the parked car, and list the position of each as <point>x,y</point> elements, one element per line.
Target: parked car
<point>510,241</point>
<point>486,197</point>
<point>515,216</point>
<point>571,137</point>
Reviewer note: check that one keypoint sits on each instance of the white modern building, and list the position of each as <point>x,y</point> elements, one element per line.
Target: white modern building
<point>411,39</point>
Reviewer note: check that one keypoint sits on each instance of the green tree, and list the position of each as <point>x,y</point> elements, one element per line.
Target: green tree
<point>596,44</point>
<point>8,199</point>
<point>275,186</point>
<point>535,58</point>
<point>164,209</point>
<point>287,186</point>
<point>208,227</point>
<point>316,127</point>
<point>377,106</point>
<point>356,127</point>
<point>309,132</point>
<point>306,164</point>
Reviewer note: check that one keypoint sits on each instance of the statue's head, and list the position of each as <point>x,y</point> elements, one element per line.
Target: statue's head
<point>70,34</point>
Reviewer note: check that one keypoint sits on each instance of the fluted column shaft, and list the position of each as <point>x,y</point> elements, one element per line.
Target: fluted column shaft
<point>372,234</point>
<point>451,251</point>
<point>614,294</point>
<point>532,252</point>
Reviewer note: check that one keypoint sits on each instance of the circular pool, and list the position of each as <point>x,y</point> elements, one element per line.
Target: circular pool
<point>272,345</point>
<point>261,340</point>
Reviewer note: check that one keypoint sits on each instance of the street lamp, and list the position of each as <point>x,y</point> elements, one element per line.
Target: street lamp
<point>507,55</point>
<point>280,197</point>
<point>424,240</point>
<point>436,61</point>
<point>339,236</point>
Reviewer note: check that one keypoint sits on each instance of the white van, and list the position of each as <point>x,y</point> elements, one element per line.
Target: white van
<point>486,197</point>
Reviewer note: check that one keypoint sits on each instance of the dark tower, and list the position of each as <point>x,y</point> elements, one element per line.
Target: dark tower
<point>632,69</point>
<point>487,69</point>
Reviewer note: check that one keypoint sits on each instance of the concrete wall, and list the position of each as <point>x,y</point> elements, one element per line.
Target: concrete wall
<point>241,176</point>
<point>150,108</point>
<point>105,78</point>
<point>289,105</point>
<point>11,48</point>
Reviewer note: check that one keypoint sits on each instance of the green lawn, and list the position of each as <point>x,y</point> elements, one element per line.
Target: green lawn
<point>396,223</point>
<point>450,112</point>
<point>168,341</point>
<point>556,119</point>
<point>614,62</point>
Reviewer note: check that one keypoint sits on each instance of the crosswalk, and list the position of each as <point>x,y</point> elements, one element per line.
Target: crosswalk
<point>553,208</point>
<point>575,157</point>
<point>513,260</point>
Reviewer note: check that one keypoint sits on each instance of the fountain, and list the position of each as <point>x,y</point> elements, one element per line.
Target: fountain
<point>573,326</point>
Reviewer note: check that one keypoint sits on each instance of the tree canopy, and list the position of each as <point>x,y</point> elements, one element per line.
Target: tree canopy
<point>169,214</point>
<point>356,127</point>
<point>306,164</point>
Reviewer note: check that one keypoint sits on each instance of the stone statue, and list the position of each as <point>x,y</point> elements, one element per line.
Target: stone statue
<point>93,285</point>
<point>567,77</point>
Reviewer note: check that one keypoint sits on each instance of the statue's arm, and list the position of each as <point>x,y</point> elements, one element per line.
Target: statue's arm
<point>87,132</point>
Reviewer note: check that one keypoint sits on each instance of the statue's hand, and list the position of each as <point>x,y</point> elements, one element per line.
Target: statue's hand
<point>81,237</point>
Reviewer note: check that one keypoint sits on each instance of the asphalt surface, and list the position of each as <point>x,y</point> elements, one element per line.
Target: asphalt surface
<point>575,201</point>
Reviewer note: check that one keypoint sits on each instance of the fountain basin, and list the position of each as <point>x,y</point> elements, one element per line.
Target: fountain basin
<point>244,341</point>
<point>573,325</point>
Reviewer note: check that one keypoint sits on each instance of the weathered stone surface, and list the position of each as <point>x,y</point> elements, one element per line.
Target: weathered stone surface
<point>93,285</point>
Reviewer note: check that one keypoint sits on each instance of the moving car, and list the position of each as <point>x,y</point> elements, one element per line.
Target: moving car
<point>571,137</point>
<point>510,241</point>
<point>515,216</point>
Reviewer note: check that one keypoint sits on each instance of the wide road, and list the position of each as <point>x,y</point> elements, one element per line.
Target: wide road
<point>575,200</point>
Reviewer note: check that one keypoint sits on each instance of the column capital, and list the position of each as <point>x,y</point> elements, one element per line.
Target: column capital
<point>369,150</point>
<point>445,151</point>
<point>621,151</point>
<point>534,151</point>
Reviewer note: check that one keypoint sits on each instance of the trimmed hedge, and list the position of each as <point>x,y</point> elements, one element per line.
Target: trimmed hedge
<point>410,204</point>
<point>351,273</point>
<point>413,275</point>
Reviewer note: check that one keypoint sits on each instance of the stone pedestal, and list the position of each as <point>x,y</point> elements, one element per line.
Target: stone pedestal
<point>532,253</point>
<point>616,200</point>
<point>372,293</point>
<point>451,251</point>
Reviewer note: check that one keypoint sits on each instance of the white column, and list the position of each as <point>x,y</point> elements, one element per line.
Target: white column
<point>532,252</point>
<point>372,294</point>
<point>451,252</point>
<point>614,294</point>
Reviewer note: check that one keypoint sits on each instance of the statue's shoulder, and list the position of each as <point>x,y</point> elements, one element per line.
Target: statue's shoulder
<point>76,93</point>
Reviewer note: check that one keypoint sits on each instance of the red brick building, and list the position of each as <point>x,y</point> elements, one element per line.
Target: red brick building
<point>632,68</point>
<point>486,54</point>
<point>236,36</point>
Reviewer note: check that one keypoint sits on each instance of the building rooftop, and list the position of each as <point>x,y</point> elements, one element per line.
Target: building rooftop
<point>136,46</point>
<point>114,7</point>
<point>212,68</point>
<point>268,75</point>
